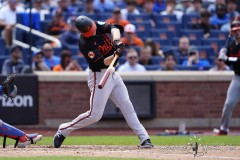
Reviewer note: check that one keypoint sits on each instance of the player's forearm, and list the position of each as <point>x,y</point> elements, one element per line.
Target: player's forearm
<point>107,61</point>
<point>115,34</point>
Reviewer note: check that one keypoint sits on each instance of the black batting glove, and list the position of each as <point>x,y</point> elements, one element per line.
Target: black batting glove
<point>119,46</point>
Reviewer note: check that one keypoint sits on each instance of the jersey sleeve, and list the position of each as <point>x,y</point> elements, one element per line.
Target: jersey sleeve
<point>104,27</point>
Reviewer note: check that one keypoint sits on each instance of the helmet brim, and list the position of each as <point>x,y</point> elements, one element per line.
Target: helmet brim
<point>235,28</point>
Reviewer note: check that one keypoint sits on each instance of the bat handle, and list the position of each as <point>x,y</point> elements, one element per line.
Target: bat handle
<point>228,40</point>
<point>104,79</point>
<point>107,73</point>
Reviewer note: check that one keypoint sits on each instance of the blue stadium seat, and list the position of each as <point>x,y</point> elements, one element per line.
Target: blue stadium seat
<point>102,16</point>
<point>206,68</point>
<point>165,18</point>
<point>192,34</point>
<point>195,42</point>
<point>219,34</point>
<point>142,34</point>
<point>74,50</point>
<point>57,51</point>
<point>182,59</point>
<point>142,26</point>
<point>162,33</point>
<point>206,50</point>
<point>26,56</point>
<point>157,59</point>
<point>171,26</point>
<point>186,68</point>
<point>2,59</point>
<point>216,43</point>
<point>23,18</point>
<point>23,36</point>
<point>43,25</point>
<point>212,60</point>
<point>162,42</point>
<point>48,17</point>
<point>122,60</point>
<point>152,67</point>
<point>2,46</point>
<point>82,61</point>
<point>189,18</point>
<point>168,49</point>
<point>137,48</point>
<point>138,18</point>
<point>84,66</point>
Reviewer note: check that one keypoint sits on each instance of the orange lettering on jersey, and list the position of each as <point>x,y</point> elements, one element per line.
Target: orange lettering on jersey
<point>91,54</point>
<point>105,48</point>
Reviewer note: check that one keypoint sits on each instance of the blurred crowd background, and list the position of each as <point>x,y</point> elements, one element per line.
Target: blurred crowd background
<point>160,35</point>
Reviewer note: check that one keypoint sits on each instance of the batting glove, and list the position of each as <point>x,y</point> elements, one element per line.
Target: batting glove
<point>119,46</point>
<point>222,54</point>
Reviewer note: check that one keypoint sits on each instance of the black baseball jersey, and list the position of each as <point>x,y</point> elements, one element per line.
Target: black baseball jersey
<point>96,48</point>
<point>233,50</point>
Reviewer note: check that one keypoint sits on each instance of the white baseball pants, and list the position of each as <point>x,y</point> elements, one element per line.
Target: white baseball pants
<point>117,91</point>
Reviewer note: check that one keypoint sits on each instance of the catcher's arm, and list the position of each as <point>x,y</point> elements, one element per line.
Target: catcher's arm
<point>9,89</point>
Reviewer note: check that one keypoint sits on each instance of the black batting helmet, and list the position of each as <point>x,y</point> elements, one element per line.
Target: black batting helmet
<point>86,26</point>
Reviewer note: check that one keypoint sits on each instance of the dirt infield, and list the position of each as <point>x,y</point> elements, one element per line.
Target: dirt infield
<point>157,153</point>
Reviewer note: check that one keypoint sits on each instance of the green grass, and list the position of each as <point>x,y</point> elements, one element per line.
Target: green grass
<point>133,140</point>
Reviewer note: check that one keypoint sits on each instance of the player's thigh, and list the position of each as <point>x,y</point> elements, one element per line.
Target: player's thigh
<point>120,97</point>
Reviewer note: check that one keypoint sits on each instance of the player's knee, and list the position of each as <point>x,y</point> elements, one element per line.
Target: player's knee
<point>229,105</point>
<point>95,118</point>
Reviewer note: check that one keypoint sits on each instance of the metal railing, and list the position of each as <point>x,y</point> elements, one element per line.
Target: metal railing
<point>38,33</point>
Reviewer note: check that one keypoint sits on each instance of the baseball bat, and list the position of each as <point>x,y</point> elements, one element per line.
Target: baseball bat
<point>107,73</point>
<point>228,40</point>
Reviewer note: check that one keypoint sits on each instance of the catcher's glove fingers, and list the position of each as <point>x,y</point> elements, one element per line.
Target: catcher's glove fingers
<point>10,79</point>
<point>9,90</point>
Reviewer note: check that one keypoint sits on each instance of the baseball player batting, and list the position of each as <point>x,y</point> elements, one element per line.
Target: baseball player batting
<point>9,90</point>
<point>99,51</point>
<point>231,56</point>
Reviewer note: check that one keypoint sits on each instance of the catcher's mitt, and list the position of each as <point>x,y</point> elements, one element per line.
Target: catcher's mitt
<point>9,89</point>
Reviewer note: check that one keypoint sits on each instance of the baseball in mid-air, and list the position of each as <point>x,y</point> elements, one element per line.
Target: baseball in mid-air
<point>112,69</point>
